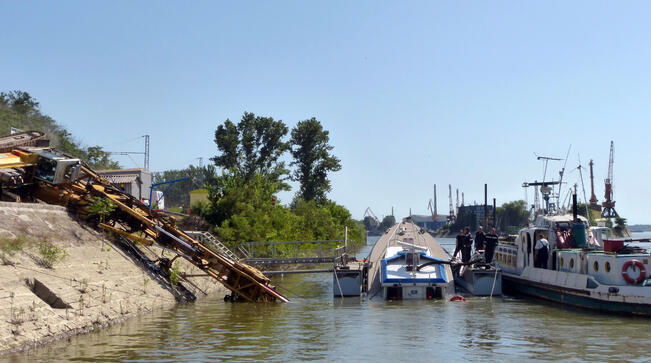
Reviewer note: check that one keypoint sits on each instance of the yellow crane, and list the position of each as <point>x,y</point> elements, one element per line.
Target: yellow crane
<point>55,178</point>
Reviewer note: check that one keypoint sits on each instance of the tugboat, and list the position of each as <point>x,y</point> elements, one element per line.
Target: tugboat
<point>583,267</point>
<point>478,278</point>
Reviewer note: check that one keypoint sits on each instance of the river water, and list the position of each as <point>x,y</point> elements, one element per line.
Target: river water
<point>316,326</point>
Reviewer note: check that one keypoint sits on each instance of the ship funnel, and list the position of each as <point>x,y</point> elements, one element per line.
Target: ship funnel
<point>574,208</point>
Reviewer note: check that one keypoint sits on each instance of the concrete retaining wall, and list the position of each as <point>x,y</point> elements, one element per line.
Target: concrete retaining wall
<point>96,283</point>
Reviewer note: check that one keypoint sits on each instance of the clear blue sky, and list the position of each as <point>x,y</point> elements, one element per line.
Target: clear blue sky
<point>413,93</point>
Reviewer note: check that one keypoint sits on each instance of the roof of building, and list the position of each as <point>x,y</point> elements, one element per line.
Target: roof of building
<point>119,179</point>
<point>122,171</point>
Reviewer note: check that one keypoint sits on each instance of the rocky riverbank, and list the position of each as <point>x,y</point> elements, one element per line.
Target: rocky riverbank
<point>60,277</point>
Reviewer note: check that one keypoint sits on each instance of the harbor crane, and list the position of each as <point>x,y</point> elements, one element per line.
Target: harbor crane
<point>452,217</point>
<point>369,213</point>
<point>593,198</point>
<point>608,205</point>
<point>432,205</point>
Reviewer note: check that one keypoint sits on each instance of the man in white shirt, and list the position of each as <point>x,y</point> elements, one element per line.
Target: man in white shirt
<point>541,252</point>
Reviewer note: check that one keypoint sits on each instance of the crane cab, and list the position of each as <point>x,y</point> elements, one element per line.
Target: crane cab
<point>56,169</point>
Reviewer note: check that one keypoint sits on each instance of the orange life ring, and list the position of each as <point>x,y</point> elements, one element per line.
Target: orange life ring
<point>639,265</point>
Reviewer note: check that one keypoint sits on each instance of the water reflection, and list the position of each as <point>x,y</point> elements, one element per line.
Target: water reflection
<point>316,326</point>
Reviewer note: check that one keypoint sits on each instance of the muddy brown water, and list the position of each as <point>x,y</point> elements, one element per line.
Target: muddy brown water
<point>316,326</point>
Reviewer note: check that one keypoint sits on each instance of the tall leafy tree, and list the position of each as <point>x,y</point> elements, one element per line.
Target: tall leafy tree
<point>98,159</point>
<point>253,146</point>
<point>313,160</point>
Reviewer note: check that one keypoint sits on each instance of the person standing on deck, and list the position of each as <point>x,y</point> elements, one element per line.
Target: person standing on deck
<point>459,245</point>
<point>480,238</point>
<point>541,252</point>
<point>491,243</point>
<point>467,245</point>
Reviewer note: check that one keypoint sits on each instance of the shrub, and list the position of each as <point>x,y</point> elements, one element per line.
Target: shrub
<point>174,275</point>
<point>50,254</point>
<point>10,247</point>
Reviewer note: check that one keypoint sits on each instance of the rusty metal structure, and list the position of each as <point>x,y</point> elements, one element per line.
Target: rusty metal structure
<point>42,173</point>
<point>26,138</point>
<point>608,205</point>
<point>593,198</point>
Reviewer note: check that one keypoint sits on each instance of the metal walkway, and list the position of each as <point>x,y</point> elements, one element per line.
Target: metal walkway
<point>288,260</point>
<point>212,242</point>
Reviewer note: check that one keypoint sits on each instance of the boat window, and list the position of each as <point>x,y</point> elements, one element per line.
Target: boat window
<point>607,266</point>
<point>595,266</point>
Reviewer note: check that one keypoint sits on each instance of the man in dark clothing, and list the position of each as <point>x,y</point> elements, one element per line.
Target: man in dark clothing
<point>467,245</point>
<point>491,243</point>
<point>480,238</point>
<point>459,245</point>
<point>541,252</point>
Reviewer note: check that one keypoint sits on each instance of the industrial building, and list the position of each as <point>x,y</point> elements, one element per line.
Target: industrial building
<point>136,182</point>
<point>430,222</point>
<point>478,211</point>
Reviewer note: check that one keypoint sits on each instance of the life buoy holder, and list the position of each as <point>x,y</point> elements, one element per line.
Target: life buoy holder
<point>628,278</point>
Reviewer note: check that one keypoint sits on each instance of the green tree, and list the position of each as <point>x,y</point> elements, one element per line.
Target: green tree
<point>20,101</point>
<point>254,146</point>
<point>313,160</point>
<point>98,159</point>
<point>101,207</point>
<point>387,222</point>
<point>370,223</point>
<point>512,214</point>
<point>620,226</point>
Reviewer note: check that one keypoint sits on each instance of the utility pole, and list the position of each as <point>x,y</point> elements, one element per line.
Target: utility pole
<point>494,214</point>
<point>146,152</point>
<point>128,153</point>
<point>485,204</point>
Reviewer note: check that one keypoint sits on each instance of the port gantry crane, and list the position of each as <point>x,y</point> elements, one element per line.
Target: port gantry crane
<point>45,174</point>
<point>608,205</point>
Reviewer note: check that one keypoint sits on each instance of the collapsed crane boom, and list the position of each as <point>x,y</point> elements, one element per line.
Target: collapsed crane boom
<point>55,178</point>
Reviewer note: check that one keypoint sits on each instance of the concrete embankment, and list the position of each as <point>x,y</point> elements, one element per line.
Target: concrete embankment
<point>91,282</point>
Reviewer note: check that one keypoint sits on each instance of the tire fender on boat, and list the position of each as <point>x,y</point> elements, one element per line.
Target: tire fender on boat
<point>628,278</point>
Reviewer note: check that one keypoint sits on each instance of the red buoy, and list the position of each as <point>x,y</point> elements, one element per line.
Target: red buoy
<point>457,298</point>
